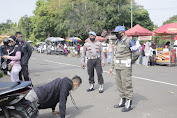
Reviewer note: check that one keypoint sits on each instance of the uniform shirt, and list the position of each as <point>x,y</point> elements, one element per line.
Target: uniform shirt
<point>52,93</point>
<point>123,50</point>
<point>93,49</point>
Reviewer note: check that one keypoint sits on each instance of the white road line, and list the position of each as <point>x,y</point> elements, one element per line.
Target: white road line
<point>166,83</point>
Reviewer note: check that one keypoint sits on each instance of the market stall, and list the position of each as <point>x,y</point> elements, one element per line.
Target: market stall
<point>166,54</point>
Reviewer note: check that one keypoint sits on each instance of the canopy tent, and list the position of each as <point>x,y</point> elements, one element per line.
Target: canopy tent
<point>99,38</point>
<point>168,29</point>
<point>138,30</point>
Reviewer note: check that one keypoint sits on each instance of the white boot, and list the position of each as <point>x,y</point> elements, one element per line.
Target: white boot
<point>101,90</point>
<point>91,88</point>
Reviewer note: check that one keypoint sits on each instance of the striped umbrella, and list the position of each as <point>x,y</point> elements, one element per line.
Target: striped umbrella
<point>73,39</point>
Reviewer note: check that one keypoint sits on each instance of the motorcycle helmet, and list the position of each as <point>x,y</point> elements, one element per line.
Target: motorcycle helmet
<point>6,41</point>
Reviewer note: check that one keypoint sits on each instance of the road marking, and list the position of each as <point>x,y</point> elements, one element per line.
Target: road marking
<point>166,83</point>
<point>33,58</point>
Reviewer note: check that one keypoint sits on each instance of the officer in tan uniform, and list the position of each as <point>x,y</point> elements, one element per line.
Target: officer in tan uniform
<point>124,55</point>
<point>93,51</point>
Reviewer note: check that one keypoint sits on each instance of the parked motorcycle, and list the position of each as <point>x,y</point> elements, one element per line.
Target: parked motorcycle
<point>13,103</point>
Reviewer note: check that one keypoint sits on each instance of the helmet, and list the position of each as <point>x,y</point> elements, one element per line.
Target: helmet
<point>6,41</point>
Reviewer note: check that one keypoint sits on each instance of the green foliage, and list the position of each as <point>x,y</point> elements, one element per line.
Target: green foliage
<point>78,17</point>
<point>172,19</point>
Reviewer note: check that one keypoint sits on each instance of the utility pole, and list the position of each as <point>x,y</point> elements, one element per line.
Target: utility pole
<point>131,1</point>
<point>59,3</point>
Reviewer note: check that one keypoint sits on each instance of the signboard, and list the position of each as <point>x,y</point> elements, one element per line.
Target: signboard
<point>144,38</point>
<point>165,37</point>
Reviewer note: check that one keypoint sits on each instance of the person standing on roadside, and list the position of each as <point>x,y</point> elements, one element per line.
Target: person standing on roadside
<point>25,56</point>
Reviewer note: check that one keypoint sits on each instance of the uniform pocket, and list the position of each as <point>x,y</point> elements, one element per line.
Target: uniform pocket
<point>97,48</point>
<point>89,49</point>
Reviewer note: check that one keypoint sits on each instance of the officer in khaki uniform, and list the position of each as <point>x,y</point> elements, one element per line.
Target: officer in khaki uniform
<point>124,55</point>
<point>95,56</point>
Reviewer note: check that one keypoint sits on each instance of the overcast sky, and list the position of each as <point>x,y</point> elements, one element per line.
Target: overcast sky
<point>159,10</point>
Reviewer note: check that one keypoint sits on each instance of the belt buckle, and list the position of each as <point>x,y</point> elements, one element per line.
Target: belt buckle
<point>94,57</point>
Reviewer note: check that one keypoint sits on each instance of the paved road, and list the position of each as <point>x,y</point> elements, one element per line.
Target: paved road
<point>155,89</point>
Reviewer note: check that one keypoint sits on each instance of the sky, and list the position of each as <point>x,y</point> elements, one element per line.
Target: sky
<point>159,10</point>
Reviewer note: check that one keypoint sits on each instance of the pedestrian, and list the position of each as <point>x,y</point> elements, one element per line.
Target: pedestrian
<point>122,63</point>
<point>143,53</point>
<point>95,56</point>
<point>15,56</point>
<point>5,51</point>
<point>75,50</point>
<point>147,53</point>
<point>65,48</point>
<point>57,91</point>
<point>25,56</point>
<point>110,49</point>
<point>78,49</point>
<point>139,49</point>
<point>153,53</point>
<point>69,49</point>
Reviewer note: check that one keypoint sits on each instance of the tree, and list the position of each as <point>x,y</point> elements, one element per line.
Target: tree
<point>172,19</point>
<point>8,28</point>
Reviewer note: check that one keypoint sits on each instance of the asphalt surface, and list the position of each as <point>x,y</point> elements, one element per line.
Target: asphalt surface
<point>155,89</point>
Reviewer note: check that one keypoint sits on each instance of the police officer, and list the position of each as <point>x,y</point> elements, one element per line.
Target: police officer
<point>95,56</point>
<point>124,55</point>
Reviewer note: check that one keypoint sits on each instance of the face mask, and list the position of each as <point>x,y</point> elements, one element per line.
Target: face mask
<point>92,39</point>
<point>20,40</point>
<point>119,36</point>
<point>13,43</point>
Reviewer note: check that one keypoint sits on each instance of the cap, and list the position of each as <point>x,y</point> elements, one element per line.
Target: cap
<point>119,28</point>
<point>92,33</point>
<point>12,38</point>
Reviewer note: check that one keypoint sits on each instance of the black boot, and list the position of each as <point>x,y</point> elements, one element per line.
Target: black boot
<point>128,106</point>
<point>91,88</point>
<point>121,103</point>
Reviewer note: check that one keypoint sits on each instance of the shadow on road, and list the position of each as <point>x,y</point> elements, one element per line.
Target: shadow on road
<point>138,98</point>
<point>71,112</point>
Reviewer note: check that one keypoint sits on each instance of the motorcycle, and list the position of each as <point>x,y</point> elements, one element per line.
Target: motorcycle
<point>13,103</point>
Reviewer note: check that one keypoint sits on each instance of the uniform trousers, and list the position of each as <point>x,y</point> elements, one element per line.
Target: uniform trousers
<point>91,64</point>
<point>124,83</point>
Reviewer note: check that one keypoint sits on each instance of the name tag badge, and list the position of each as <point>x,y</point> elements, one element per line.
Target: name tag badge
<point>128,63</point>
